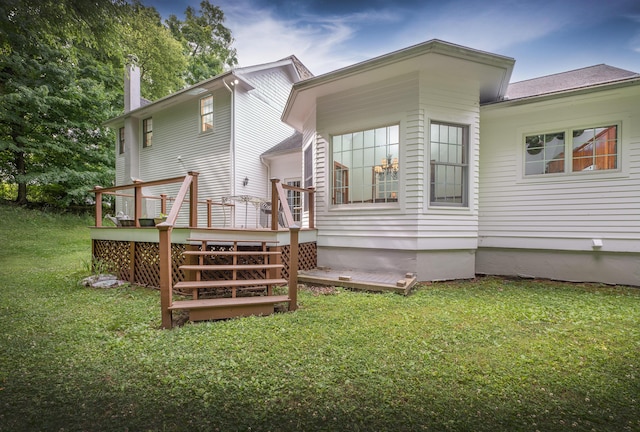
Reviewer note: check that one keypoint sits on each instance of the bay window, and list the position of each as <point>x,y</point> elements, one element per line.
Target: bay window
<point>449,155</point>
<point>365,166</point>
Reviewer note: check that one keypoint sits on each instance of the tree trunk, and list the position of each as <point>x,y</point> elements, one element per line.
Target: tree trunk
<point>22,184</point>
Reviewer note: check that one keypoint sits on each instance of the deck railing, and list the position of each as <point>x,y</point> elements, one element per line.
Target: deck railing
<point>189,187</point>
<point>164,199</point>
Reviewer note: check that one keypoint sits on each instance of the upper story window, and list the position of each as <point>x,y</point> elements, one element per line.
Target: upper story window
<point>206,114</point>
<point>572,150</point>
<point>121,140</point>
<point>449,155</point>
<point>147,132</point>
<point>365,166</point>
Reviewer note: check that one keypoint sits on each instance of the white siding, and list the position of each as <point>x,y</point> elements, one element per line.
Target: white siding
<point>561,212</point>
<point>259,128</point>
<point>411,100</point>
<point>176,132</point>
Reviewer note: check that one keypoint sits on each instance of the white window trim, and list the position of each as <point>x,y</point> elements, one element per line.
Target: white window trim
<point>467,181</point>
<point>568,175</point>
<point>201,115</point>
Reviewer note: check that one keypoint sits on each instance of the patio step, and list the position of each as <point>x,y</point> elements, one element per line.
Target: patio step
<point>221,308</point>
<point>261,272</point>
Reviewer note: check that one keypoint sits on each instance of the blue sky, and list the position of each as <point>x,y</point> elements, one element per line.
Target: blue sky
<point>544,36</point>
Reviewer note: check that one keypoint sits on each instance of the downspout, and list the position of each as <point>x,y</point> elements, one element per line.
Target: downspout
<point>232,139</point>
<point>268,168</point>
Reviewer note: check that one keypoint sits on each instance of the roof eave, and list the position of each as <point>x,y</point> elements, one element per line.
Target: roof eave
<point>564,93</point>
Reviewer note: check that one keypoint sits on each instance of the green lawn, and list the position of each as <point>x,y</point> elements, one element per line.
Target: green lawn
<point>487,355</point>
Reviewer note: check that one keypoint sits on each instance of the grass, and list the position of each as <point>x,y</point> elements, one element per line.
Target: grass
<point>486,355</point>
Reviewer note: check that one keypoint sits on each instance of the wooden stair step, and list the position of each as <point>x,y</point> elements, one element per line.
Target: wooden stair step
<point>228,301</point>
<point>222,308</point>
<point>232,253</point>
<point>227,283</point>
<point>231,267</point>
<point>230,241</point>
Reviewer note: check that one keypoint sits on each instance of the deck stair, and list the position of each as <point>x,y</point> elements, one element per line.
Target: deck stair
<point>233,277</point>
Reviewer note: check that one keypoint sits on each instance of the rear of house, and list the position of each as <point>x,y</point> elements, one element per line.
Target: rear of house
<point>560,178</point>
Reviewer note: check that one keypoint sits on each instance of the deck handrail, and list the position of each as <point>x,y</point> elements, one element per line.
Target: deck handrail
<point>279,199</point>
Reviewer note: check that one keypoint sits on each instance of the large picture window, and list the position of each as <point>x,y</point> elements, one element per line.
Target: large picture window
<point>366,166</point>
<point>147,132</point>
<point>449,154</point>
<point>590,149</point>
<point>206,114</point>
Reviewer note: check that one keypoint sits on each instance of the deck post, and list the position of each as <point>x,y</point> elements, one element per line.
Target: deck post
<point>163,203</point>
<point>166,288</point>
<point>193,200</point>
<point>293,267</point>
<point>312,207</point>
<point>137,208</point>
<point>275,208</point>
<point>98,206</point>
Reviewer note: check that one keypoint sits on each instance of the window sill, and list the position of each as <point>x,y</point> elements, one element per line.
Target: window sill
<point>573,177</point>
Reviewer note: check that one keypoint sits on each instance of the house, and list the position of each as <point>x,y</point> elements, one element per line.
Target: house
<point>220,128</point>
<point>427,160</point>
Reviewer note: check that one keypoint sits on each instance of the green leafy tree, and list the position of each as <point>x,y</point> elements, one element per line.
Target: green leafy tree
<point>53,97</point>
<point>205,40</point>
<point>160,56</point>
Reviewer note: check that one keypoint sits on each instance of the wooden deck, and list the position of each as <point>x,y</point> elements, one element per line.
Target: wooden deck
<point>397,282</point>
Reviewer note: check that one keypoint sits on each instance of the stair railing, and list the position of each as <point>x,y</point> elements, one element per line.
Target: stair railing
<point>190,186</point>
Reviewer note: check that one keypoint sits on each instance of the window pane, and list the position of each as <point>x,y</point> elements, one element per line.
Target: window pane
<point>366,166</point>
<point>448,164</point>
<point>544,153</point>
<point>595,149</point>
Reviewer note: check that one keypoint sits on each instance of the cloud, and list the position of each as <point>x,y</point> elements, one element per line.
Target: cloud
<point>323,43</point>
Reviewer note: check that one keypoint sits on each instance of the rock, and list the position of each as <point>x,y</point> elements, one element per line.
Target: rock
<point>102,281</point>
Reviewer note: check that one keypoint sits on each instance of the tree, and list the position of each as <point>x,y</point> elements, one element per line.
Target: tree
<point>50,80</point>
<point>206,41</point>
<point>159,55</point>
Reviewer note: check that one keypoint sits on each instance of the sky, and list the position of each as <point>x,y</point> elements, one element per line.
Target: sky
<point>543,36</point>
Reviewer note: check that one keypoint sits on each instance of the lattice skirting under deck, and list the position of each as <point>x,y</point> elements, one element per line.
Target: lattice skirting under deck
<point>138,262</point>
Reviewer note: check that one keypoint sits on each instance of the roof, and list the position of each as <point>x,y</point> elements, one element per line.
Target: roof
<point>571,80</point>
<point>491,71</point>
<point>292,143</point>
<point>235,76</point>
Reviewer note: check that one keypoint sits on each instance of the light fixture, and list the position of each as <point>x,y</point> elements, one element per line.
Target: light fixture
<point>388,166</point>
<point>245,182</point>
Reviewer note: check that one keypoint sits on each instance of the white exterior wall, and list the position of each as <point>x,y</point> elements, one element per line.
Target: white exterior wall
<point>545,225</point>
<point>176,132</point>
<point>259,128</point>
<point>434,242</point>
<point>287,166</point>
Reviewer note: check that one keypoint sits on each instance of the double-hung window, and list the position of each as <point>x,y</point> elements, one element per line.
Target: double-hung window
<point>449,155</point>
<point>121,140</point>
<point>206,114</point>
<point>147,132</point>
<point>571,151</point>
<point>365,166</point>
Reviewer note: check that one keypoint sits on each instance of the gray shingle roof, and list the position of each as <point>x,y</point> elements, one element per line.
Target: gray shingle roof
<point>294,142</point>
<point>579,78</point>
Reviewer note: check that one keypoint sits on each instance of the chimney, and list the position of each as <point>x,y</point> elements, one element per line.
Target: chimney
<point>131,84</point>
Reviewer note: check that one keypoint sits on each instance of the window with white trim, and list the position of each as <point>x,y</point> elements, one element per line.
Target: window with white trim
<point>366,166</point>
<point>206,114</point>
<point>588,149</point>
<point>449,155</point>
<point>147,132</point>
<point>294,199</point>
<point>121,140</point>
